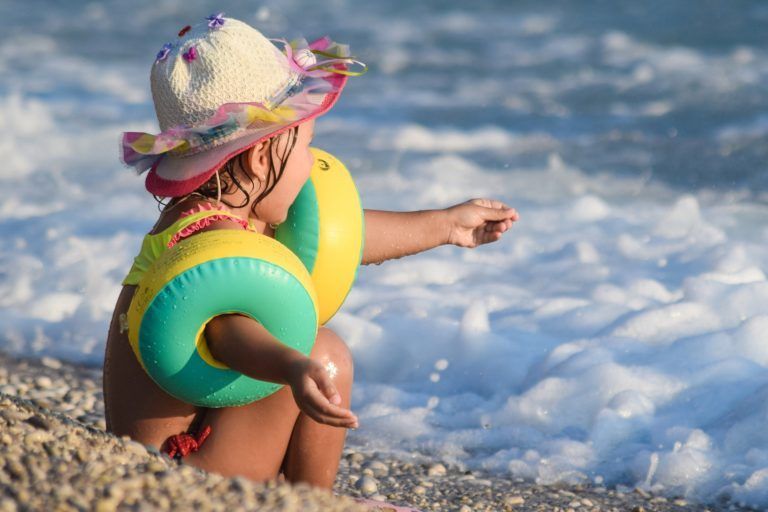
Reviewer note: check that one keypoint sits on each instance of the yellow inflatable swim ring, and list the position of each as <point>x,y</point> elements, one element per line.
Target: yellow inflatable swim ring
<point>209,274</point>
<point>325,228</point>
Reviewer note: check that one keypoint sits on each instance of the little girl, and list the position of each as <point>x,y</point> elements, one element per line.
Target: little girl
<point>237,119</point>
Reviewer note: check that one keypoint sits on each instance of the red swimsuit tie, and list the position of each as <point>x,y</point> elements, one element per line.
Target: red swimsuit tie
<point>180,445</point>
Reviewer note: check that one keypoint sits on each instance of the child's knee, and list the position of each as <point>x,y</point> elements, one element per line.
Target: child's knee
<point>329,347</point>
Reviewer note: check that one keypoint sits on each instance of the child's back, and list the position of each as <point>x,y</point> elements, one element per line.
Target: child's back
<point>134,404</point>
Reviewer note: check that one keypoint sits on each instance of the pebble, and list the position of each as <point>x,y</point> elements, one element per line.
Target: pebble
<point>512,501</point>
<point>156,466</point>
<point>107,505</point>
<point>436,470</point>
<point>51,362</point>
<point>38,421</point>
<point>377,468</point>
<point>367,485</point>
<point>7,505</point>
<point>13,415</point>
<point>36,437</point>
<point>134,447</point>
<point>642,492</point>
<point>43,382</point>
<point>357,458</point>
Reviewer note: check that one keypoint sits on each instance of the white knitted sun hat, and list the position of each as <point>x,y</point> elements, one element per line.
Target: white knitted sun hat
<point>233,64</point>
<point>221,88</point>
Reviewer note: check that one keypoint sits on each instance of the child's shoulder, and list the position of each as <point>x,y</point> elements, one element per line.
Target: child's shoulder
<point>183,220</point>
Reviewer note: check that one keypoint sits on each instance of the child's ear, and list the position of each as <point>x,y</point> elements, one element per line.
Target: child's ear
<point>258,160</point>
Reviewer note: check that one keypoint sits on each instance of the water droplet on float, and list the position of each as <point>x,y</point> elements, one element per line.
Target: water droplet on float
<point>185,297</point>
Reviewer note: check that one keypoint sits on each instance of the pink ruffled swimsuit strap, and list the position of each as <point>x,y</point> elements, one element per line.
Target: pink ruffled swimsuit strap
<point>221,214</point>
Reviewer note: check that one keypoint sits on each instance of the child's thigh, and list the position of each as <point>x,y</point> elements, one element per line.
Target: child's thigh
<point>249,440</point>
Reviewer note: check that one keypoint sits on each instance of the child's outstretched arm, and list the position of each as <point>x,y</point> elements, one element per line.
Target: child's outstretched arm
<point>391,235</point>
<point>246,346</point>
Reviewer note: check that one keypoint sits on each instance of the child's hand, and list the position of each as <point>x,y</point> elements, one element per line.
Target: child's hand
<point>479,221</point>
<point>316,396</point>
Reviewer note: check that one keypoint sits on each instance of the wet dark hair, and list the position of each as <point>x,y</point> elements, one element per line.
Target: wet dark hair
<point>228,176</point>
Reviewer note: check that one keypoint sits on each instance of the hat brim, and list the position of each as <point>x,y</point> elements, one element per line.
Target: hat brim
<point>174,175</point>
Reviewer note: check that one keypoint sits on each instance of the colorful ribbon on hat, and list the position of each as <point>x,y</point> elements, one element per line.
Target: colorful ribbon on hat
<point>338,57</point>
<point>296,101</point>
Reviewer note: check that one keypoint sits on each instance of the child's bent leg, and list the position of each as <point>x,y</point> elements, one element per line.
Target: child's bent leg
<point>315,449</point>
<point>255,440</point>
<point>249,440</point>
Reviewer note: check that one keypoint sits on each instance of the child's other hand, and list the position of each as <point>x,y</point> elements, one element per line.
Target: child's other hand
<point>479,221</point>
<point>316,395</point>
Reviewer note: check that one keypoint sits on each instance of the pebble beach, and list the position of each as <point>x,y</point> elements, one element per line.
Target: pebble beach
<point>56,455</point>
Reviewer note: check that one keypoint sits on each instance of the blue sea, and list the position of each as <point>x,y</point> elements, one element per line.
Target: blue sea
<point>618,334</point>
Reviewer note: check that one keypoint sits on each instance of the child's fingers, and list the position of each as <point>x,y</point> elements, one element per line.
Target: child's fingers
<point>498,227</point>
<point>498,214</point>
<point>327,408</point>
<point>494,204</point>
<point>493,232</point>
<point>501,226</point>
<point>348,420</point>
<point>491,237</point>
<point>325,411</point>
<point>329,420</point>
<point>498,205</point>
<point>488,203</point>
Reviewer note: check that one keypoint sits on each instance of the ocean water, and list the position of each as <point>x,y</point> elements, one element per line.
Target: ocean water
<point>617,334</point>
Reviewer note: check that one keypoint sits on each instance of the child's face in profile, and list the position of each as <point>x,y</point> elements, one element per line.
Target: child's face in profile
<point>273,209</point>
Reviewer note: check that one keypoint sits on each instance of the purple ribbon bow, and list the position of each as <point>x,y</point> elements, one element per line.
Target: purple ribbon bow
<point>215,20</point>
